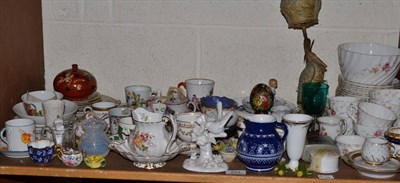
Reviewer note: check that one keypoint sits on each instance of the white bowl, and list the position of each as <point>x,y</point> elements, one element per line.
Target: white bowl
<point>369,131</point>
<point>368,63</point>
<point>69,112</point>
<point>36,108</point>
<point>349,143</point>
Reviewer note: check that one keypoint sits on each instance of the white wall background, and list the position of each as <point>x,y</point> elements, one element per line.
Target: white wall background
<point>236,43</point>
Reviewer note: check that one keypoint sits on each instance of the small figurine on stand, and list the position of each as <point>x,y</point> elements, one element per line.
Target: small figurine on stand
<point>204,134</point>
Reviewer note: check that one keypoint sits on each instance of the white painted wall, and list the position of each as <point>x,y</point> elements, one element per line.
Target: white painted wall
<point>236,43</point>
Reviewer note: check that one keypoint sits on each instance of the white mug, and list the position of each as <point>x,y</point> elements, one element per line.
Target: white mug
<point>137,95</point>
<point>19,132</point>
<point>119,115</point>
<point>53,109</point>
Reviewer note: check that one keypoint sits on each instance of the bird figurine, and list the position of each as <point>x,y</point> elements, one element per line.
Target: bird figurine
<point>313,72</point>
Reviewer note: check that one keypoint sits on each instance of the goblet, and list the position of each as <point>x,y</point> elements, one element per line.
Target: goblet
<point>314,97</point>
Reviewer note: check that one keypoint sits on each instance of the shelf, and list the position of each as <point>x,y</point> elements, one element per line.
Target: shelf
<point>121,169</point>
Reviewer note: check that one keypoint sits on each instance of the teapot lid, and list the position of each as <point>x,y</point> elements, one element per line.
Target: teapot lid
<point>94,123</point>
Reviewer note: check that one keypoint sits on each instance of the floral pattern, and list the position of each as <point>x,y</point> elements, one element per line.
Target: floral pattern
<point>143,141</point>
<point>26,137</point>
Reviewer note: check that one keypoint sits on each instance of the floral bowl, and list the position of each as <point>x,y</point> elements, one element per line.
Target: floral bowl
<point>369,131</point>
<point>33,101</point>
<point>349,143</point>
<point>69,112</point>
<point>368,63</point>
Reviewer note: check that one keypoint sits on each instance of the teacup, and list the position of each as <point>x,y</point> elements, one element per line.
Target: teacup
<point>19,132</point>
<point>41,151</point>
<point>95,161</point>
<point>100,110</point>
<point>376,150</point>
<point>338,104</point>
<point>331,126</point>
<point>175,108</point>
<point>370,114</point>
<point>196,88</point>
<point>349,143</point>
<point>159,108</point>
<point>71,157</point>
<point>186,123</point>
<point>119,115</point>
<point>137,95</point>
<point>369,131</point>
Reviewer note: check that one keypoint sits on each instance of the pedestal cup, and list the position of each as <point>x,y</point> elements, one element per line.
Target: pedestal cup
<point>297,126</point>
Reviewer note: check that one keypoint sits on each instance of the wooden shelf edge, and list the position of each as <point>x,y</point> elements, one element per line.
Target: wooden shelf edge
<point>160,176</point>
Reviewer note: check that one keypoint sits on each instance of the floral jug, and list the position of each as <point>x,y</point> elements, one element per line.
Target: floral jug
<point>94,139</point>
<point>260,147</point>
<point>152,143</point>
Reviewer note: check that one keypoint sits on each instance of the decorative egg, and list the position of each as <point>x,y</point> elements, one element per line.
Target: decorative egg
<point>261,98</point>
<point>75,84</point>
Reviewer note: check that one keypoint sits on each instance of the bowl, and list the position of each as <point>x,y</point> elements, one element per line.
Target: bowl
<point>41,151</point>
<point>33,101</point>
<point>349,143</point>
<point>69,112</point>
<point>209,106</point>
<point>368,63</point>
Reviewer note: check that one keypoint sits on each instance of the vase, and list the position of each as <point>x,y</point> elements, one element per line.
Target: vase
<point>228,156</point>
<point>260,147</point>
<point>297,125</point>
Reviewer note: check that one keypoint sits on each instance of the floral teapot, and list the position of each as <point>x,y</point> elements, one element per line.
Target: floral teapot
<point>151,144</point>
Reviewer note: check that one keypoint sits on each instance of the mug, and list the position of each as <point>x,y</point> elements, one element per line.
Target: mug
<point>119,115</point>
<point>53,109</point>
<point>137,95</point>
<point>376,150</point>
<point>196,88</point>
<point>331,126</point>
<point>19,132</point>
<point>186,123</point>
<point>125,128</point>
<point>338,105</point>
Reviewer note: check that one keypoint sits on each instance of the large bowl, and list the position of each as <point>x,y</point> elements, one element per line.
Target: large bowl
<point>70,110</point>
<point>368,63</point>
<point>391,96</point>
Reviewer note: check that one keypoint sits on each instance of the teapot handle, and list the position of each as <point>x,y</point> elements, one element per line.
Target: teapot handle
<point>285,130</point>
<point>173,136</point>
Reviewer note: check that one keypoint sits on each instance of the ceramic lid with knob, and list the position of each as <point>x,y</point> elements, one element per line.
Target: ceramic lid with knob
<point>75,83</point>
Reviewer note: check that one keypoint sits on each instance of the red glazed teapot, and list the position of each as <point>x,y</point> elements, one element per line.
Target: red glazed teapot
<point>75,84</point>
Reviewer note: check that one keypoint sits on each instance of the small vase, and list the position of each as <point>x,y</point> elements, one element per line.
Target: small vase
<point>228,156</point>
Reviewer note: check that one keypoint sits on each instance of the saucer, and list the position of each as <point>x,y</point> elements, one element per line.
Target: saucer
<point>15,154</point>
<point>278,101</point>
<point>386,170</point>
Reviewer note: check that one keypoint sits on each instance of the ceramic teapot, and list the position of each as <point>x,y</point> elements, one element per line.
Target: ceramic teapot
<point>151,144</point>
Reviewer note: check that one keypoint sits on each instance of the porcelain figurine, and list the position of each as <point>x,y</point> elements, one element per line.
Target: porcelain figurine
<point>150,145</point>
<point>204,134</point>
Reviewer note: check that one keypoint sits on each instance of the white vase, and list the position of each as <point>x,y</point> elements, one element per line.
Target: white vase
<point>297,126</point>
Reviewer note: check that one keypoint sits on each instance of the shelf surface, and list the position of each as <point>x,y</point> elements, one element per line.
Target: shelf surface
<point>122,169</point>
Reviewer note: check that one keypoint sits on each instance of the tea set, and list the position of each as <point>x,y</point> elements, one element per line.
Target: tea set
<point>151,129</point>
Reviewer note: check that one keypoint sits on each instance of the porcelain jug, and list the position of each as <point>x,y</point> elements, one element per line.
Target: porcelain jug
<point>260,147</point>
<point>94,139</point>
<point>151,143</point>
